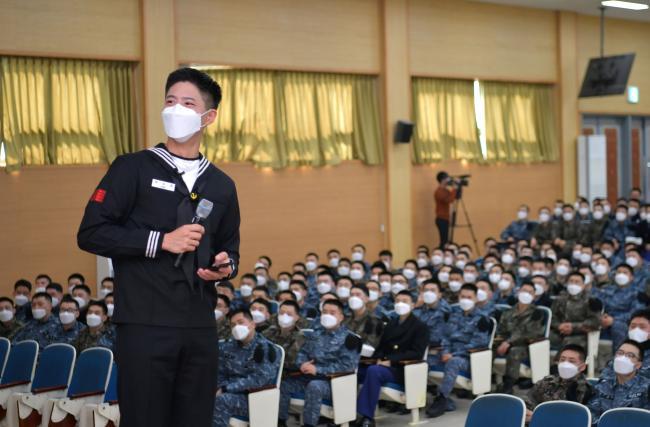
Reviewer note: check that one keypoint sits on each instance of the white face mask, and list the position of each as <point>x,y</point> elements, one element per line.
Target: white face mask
<point>567,370</point>
<point>573,289</point>
<point>283,285</point>
<point>397,288</point>
<point>481,295</point>
<point>469,277</point>
<point>430,297</point>
<point>245,290</point>
<point>522,215</point>
<point>455,285</point>
<point>21,300</point>
<point>180,122</point>
<point>356,274</point>
<point>357,256</point>
<point>607,253</point>
<point>258,316</point>
<point>585,258</point>
<point>621,216</point>
<point>55,301</point>
<point>286,321</point>
<point>334,262</point>
<point>343,270</point>
<point>557,211</point>
<point>583,211</point>
<point>385,286</point>
<point>324,287</point>
<point>436,260</point>
<point>103,292</point>
<point>504,285</point>
<point>66,317</point>
<point>6,315</point>
<point>562,270</point>
<point>576,254</point>
<point>488,266</point>
<point>328,321</point>
<point>623,365</point>
<point>93,320</point>
<point>443,276</point>
<point>632,211</point>
<point>567,216</point>
<point>218,314</point>
<point>240,332</point>
<point>598,215</point>
<point>355,303</point>
<point>402,308</point>
<point>259,265</point>
<point>373,295</point>
<point>39,290</point>
<point>461,264</point>
<point>525,298</point>
<point>507,259</point>
<point>311,265</point>
<point>607,209</point>
<point>587,279</point>
<point>523,271</point>
<point>298,295</point>
<point>621,279</point>
<point>343,292</point>
<point>374,277</point>
<point>420,280</point>
<point>539,273</point>
<point>495,277</point>
<point>38,313</point>
<point>638,335</point>
<point>539,289</point>
<point>409,273</point>
<point>261,280</point>
<point>544,217</point>
<point>600,270</point>
<point>631,261</point>
<point>422,262</point>
<point>466,304</point>
<point>448,260</point>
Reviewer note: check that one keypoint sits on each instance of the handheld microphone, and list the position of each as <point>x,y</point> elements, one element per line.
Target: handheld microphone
<point>202,212</point>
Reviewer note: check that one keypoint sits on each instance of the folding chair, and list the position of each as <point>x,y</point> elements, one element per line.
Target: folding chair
<point>51,380</point>
<point>88,385</point>
<point>561,413</point>
<point>5,346</point>
<point>263,403</point>
<point>18,372</point>
<point>625,417</point>
<point>593,342</point>
<point>413,393</point>
<point>491,410</point>
<point>105,414</point>
<point>478,379</point>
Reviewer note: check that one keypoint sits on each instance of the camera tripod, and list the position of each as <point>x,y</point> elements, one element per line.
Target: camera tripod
<point>459,203</point>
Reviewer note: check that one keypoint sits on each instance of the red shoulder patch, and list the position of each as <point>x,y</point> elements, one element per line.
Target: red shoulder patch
<point>98,196</point>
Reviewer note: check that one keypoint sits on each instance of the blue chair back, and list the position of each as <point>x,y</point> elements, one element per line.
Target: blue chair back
<point>496,410</point>
<point>5,345</point>
<point>625,417</point>
<point>21,363</point>
<point>91,372</point>
<point>561,413</point>
<point>54,367</point>
<point>274,307</point>
<point>111,390</point>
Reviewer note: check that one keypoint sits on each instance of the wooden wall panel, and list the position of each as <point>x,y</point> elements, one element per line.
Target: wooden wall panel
<point>457,38</point>
<point>95,29</point>
<point>636,157</point>
<point>491,199</point>
<point>334,35</point>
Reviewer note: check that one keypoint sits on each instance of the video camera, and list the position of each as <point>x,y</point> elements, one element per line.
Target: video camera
<point>460,180</point>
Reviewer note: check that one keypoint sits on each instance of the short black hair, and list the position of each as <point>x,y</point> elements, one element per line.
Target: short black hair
<point>224,298</point>
<point>249,276</point>
<point>210,90</point>
<point>267,258</point>
<point>108,279</point>
<point>635,344</point>
<point>359,245</point>
<point>363,288</point>
<point>77,276</point>
<point>431,282</point>
<point>627,267</point>
<point>226,284</point>
<point>42,295</point>
<point>299,283</point>
<point>645,313</point>
<point>84,288</point>
<point>326,273</point>
<point>336,303</point>
<point>100,304</point>
<point>291,303</point>
<point>263,289</point>
<point>407,293</point>
<point>246,312</point>
<point>440,176</point>
<point>469,287</point>
<point>44,276</point>
<point>24,283</point>
<point>68,298</point>
<point>262,301</point>
<point>56,286</point>
<point>574,347</point>
<point>385,252</point>
<point>7,299</point>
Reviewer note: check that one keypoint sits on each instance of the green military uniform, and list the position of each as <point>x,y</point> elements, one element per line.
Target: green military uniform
<point>553,387</point>
<point>569,231</point>
<point>8,331</point>
<point>543,232</point>
<point>290,340</point>
<point>223,328</point>
<point>367,326</point>
<point>519,328</point>
<point>596,231</point>
<point>103,337</point>
<point>581,311</point>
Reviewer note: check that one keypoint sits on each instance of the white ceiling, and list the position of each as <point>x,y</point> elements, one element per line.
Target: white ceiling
<point>586,7</point>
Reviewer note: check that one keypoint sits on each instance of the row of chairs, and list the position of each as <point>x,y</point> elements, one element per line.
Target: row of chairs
<point>56,388</point>
<point>504,410</point>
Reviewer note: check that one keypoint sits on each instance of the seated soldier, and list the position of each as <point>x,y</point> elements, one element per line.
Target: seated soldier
<point>569,383</point>
<point>639,331</point>
<point>262,292</point>
<point>261,311</point>
<point>68,315</point>
<point>9,325</point>
<point>519,229</point>
<point>343,288</point>
<point>405,338</point>
<point>574,314</point>
<point>543,230</point>
<point>386,287</point>
<point>557,281</point>
<point>361,321</point>
<point>221,316</point>
<point>330,349</point>
<point>453,287</point>
<point>506,289</point>
<point>247,283</point>
<point>97,334</point>
<point>44,328</point>
<point>466,330</point>
<point>22,294</point>
<point>484,298</point>
<point>81,293</point>
<point>107,287</point>
<point>56,292</point>
<point>246,362</point>
<point>286,333</point>
<point>542,292</point>
<point>375,295</point>
<point>433,311</point>
<point>299,289</point>
<point>626,389</point>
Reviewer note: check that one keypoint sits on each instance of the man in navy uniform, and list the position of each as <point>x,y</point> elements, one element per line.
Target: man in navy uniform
<point>140,215</point>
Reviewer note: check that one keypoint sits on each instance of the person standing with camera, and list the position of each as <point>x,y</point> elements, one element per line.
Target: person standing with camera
<point>444,196</point>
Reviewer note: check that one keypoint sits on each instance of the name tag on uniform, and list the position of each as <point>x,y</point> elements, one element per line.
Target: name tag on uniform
<point>169,186</point>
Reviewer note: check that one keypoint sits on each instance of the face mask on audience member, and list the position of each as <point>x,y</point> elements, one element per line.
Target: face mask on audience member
<point>343,292</point>
<point>622,279</point>
<point>494,278</point>
<point>632,261</point>
<point>507,259</point>
<point>66,317</point>
<point>523,271</point>
<point>218,314</point>
<point>385,286</point>
<point>522,214</point>
<point>6,315</point>
<point>357,256</point>
<point>623,365</point>
<point>261,280</point>
<point>356,274</point>
<point>240,332</point>
<point>461,264</point>
<point>311,265</point>
<point>409,273</point>
<point>443,276</point>
<point>245,290</point>
<point>334,262</point>
<point>504,285</point>
<point>600,269</point>
<point>585,258</point>
<point>632,211</point>
<point>373,295</point>
<point>567,370</point>
<point>436,260</point>
<point>258,316</point>
<point>38,313</point>
<point>324,287</point>
<point>328,321</point>
<point>402,308</point>
<point>21,300</point>
<point>567,216</point>
<point>283,285</point>
<point>544,217</point>
<point>576,254</point>
<point>466,304</point>
<point>422,262</point>
<point>481,295</point>
<point>598,215</point>
<point>298,296</point>
<point>621,216</point>
<point>93,320</point>
<point>539,289</point>
<point>557,211</point>
<point>397,288</point>
<point>430,297</point>
<point>355,303</point>
<point>455,285</point>
<point>286,321</point>
<point>525,297</point>
<point>448,260</point>
<point>638,335</point>
<point>573,289</point>
<point>343,270</point>
<point>469,277</point>
<point>39,290</point>
<point>583,211</point>
<point>562,270</point>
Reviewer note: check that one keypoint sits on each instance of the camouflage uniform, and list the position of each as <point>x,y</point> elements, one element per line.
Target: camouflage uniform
<point>553,387</point>
<point>608,394</point>
<point>11,330</point>
<point>569,231</point>
<point>487,309</point>
<point>597,230</point>
<point>617,231</point>
<point>518,230</point>
<point>435,318</point>
<point>291,340</point>
<point>44,332</point>
<point>241,368</point>
<point>543,232</point>
<point>104,337</point>
<point>69,336</point>
<point>368,327</point>
<point>223,328</point>
<point>463,332</point>
<point>519,328</point>
<point>585,225</point>
<point>332,351</point>
<point>619,302</point>
<point>581,311</point>
<point>24,313</point>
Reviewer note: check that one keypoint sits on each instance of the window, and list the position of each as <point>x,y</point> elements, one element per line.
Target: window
<point>3,157</point>
<point>479,109</point>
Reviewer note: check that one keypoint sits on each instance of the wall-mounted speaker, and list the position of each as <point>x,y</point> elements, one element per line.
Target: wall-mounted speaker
<point>403,132</point>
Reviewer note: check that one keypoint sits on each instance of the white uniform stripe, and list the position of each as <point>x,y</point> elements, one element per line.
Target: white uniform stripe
<point>148,251</point>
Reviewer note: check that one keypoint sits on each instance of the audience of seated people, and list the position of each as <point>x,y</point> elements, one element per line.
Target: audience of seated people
<point>588,264</point>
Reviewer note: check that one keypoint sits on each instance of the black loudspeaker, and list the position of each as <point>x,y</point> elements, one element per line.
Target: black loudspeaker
<point>403,132</point>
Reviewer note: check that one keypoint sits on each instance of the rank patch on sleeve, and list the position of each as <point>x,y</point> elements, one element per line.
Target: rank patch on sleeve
<point>98,196</point>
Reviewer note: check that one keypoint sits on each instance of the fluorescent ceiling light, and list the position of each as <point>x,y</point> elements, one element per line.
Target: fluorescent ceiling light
<point>624,4</point>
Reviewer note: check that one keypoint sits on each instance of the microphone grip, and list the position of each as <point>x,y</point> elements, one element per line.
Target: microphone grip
<point>179,258</point>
